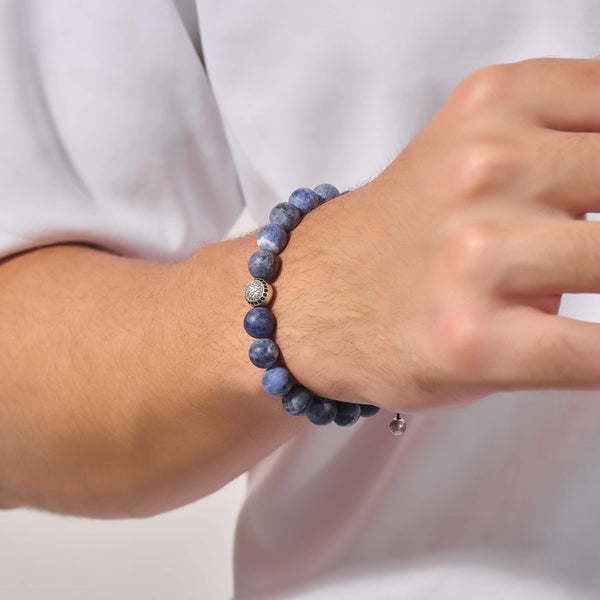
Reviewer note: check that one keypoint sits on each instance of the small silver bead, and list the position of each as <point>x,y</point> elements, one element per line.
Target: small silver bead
<point>397,426</point>
<point>258,292</point>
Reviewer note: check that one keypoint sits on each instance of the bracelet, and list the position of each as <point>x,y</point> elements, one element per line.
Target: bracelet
<point>259,321</point>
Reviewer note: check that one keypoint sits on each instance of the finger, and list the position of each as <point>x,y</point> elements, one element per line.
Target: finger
<point>551,256</point>
<point>545,351</point>
<point>565,173</point>
<point>561,94</point>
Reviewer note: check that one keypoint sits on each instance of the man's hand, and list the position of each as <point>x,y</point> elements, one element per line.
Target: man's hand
<point>439,282</point>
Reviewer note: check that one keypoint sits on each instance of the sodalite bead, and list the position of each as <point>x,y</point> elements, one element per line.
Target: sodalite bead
<point>272,237</point>
<point>326,192</point>
<point>259,322</point>
<point>368,410</point>
<point>263,264</point>
<point>277,381</point>
<point>321,411</point>
<point>263,353</point>
<point>305,199</point>
<point>286,215</point>
<point>297,401</point>
<point>347,414</point>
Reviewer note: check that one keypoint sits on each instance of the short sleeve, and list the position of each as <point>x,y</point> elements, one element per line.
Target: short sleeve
<point>109,132</point>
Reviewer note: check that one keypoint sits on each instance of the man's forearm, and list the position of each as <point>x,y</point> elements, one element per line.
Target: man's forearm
<point>126,388</point>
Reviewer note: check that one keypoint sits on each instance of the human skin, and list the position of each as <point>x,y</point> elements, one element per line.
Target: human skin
<point>126,386</point>
<point>444,284</point>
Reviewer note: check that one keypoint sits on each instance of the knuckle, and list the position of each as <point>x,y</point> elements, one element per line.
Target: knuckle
<point>470,249</point>
<point>479,169</point>
<point>485,88</point>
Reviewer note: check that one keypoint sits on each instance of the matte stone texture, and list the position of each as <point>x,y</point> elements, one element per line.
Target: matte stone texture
<point>272,237</point>
<point>263,264</point>
<point>277,381</point>
<point>259,322</point>
<point>286,215</point>
<point>297,401</point>
<point>321,411</point>
<point>326,192</point>
<point>347,414</point>
<point>368,410</point>
<point>263,353</point>
<point>305,199</point>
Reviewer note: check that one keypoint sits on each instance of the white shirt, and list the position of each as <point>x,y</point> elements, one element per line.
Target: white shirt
<point>113,134</point>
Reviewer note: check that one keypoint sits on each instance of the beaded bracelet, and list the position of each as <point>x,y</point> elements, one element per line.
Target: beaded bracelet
<point>259,321</point>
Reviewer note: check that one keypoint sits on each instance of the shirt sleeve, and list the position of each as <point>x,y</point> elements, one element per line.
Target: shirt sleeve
<point>109,132</point>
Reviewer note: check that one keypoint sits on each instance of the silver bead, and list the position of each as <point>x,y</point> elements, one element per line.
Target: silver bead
<point>398,425</point>
<point>258,292</point>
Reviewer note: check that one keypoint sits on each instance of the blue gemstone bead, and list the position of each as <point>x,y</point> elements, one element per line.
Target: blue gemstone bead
<point>347,414</point>
<point>263,353</point>
<point>277,381</point>
<point>321,411</point>
<point>263,264</point>
<point>326,192</point>
<point>305,199</point>
<point>286,215</point>
<point>259,322</point>
<point>368,410</point>
<point>272,237</point>
<point>297,401</point>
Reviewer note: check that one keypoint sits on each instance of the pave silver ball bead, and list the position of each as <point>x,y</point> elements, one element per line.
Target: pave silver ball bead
<point>398,425</point>
<point>258,293</point>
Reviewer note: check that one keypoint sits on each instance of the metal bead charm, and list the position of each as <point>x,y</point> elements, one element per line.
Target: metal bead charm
<point>397,425</point>
<point>258,293</point>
